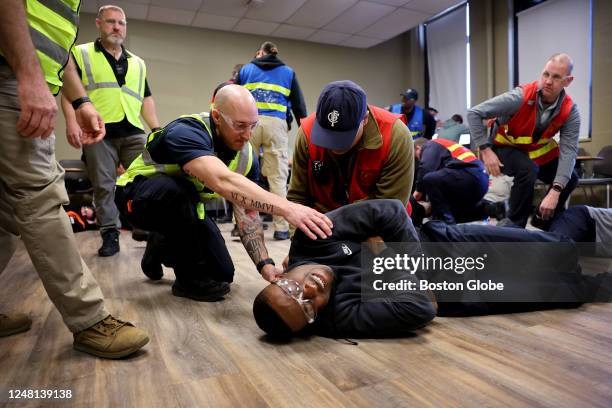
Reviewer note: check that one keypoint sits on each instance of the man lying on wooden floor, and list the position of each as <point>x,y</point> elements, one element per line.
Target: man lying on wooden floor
<point>325,289</point>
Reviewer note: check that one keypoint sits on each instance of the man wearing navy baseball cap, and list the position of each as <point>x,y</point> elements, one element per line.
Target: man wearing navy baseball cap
<point>350,151</point>
<point>420,122</point>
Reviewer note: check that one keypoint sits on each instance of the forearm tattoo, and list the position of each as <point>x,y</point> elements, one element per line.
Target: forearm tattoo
<point>251,233</point>
<point>243,201</point>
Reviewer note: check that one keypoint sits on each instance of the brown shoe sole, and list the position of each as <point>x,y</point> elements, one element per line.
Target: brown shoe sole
<point>110,355</point>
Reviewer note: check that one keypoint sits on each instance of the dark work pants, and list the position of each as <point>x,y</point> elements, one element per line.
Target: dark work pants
<point>575,223</point>
<point>455,192</point>
<point>517,164</point>
<point>167,205</point>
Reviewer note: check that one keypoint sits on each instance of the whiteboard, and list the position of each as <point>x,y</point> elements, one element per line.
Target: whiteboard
<point>559,26</point>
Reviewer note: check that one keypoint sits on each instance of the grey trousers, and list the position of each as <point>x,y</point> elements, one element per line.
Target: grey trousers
<point>32,192</point>
<point>102,160</point>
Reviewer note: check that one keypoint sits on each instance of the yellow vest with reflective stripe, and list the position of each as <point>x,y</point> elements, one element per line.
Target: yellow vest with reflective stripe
<point>112,101</point>
<point>145,166</point>
<point>53,27</point>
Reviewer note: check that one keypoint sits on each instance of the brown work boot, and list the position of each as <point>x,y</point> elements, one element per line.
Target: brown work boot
<point>110,338</point>
<point>14,324</point>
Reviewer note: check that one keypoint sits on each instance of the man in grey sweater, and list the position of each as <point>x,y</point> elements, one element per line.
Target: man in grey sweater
<point>520,143</point>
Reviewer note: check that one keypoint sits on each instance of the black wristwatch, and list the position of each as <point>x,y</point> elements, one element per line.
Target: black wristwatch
<point>155,129</point>
<point>78,102</point>
<point>262,263</point>
<point>485,146</point>
<point>557,187</point>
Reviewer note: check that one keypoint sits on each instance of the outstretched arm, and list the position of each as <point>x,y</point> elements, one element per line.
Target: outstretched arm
<point>244,193</point>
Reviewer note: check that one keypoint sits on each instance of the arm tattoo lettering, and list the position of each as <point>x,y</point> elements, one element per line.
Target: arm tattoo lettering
<point>243,201</point>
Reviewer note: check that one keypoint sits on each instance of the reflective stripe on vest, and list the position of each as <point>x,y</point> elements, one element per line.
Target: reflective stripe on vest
<point>112,101</point>
<point>145,166</point>
<point>270,88</point>
<point>518,132</point>
<point>456,150</point>
<point>53,26</point>
<point>416,123</point>
<point>367,167</point>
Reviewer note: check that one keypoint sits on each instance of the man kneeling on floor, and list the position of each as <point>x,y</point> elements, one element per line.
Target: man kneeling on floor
<point>192,159</point>
<point>321,293</point>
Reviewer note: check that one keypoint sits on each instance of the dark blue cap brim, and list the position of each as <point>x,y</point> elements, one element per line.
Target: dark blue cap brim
<point>332,139</point>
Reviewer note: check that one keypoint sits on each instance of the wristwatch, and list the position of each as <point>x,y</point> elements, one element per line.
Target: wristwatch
<point>79,101</point>
<point>262,263</point>
<point>557,187</point>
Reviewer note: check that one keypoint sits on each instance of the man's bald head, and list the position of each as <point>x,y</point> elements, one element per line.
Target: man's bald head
<point>235,100</point>
<point>565,59</point>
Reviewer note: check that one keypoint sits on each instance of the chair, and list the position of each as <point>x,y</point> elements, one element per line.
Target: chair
<point>602,173</point>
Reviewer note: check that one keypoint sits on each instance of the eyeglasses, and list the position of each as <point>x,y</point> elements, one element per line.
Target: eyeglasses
<point>296,292</point>
<point>554,77</point>
<point>112,21</point>
<point>239,126</point>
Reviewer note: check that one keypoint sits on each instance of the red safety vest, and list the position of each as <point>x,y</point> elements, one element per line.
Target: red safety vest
<point>456,150</point>
<point>366,170</point>
<point>518,132</point>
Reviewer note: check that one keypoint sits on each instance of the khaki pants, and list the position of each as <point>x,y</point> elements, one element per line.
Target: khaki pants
<point>271,134</point>
<point>32,192</point>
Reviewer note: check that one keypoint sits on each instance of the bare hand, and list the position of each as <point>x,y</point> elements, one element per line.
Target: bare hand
<point>74,134</point>
<point>309,220</point>
<point>38,109</point>
<point>91,123</point>
<point>286,263</point>
<point>417,195</point>
<point>271,273</point>
<point>548,205</point>
<point>491,162</point>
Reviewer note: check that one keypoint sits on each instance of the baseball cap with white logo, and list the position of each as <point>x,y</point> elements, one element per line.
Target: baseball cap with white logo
<point>340,110</point>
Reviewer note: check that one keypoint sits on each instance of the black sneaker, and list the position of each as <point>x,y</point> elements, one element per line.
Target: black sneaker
<point>151,263</point>
<point>205,291</point>
<point>496,210</point>
<point>140,235</point>
<point>110,243</point>
<point>281,235</point>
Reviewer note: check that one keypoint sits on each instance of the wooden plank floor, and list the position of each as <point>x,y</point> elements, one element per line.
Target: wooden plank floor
<point>213,354</point>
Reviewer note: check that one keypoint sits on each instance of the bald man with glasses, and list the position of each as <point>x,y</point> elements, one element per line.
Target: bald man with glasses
<point>522,124</point>
<point>191,160</point>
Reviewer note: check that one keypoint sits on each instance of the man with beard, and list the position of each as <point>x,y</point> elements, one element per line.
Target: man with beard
<point>115,80</point>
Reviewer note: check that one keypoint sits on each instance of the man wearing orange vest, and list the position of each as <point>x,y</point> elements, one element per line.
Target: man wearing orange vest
<point>350,151</point>
<point>521,141</point>
<point>453,178</point>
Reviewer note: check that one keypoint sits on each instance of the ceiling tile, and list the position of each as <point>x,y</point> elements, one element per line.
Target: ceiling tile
<point>328,37</point>
<point>294,32</point>
<point>103,2</point>
<point>394,24</point>
<point>214,22</point>
<point>178,4</point>
<point>317,13</point>
<point>359,16</point>
<point>274,10</point>
<point>431,7</point>
<point>132,10</point>
<point>232,8</point>
<point>396,3</point>
<point>360,42</point>
<point>255,27</point>
<point>170,16</point>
